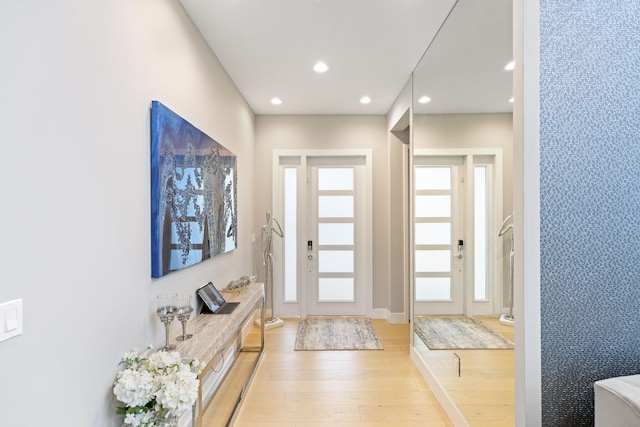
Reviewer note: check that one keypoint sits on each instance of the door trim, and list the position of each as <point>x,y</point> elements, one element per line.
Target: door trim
<point>299,308</point>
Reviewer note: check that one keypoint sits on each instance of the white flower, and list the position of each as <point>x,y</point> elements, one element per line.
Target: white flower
<point>163,359</point>
<point>134,388</point>
<point>153,385</point>
<point>177,391</point>
<point>135,357</point>
<point>139,420</point>
<point>197,366</point>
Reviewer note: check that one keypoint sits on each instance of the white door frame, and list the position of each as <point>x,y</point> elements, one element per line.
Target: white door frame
<point>299,307</point>
<point>495,221</point>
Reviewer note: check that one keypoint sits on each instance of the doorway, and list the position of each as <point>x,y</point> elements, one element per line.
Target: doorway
<point>324,262</point>
<point>458,258</point>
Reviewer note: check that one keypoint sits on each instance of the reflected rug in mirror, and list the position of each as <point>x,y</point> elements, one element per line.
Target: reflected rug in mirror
<point>336,333</point>
<point>458,333</point>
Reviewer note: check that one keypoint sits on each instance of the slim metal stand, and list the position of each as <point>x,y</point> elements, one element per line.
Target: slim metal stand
<point>508,319</point>
<point>267,261</point>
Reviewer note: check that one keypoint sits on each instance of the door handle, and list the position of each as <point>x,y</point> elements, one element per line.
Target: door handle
<point>310,257</point>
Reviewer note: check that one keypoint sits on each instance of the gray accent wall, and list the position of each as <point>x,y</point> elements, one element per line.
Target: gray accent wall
<point>590,201</point>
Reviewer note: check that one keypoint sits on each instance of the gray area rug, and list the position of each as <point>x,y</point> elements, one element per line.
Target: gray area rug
<point>336,333</point>
<point>458,333</point>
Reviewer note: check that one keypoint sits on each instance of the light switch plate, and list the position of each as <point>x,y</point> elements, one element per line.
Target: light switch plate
<point>10,319</point>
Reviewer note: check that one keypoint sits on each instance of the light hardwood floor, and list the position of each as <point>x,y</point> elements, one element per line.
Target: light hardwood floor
<point>339,388</point>
<point>484,392</point>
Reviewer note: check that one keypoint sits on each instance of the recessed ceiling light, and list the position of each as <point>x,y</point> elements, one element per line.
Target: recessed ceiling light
<point>511,100</point>
<point>365,100</point>
<point>510,66</point>
<point>424,99</point>
<point>276,101</point>
<point>320,67</point>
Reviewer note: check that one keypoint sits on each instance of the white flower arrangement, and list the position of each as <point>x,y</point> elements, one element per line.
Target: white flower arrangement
<point>156,385</point>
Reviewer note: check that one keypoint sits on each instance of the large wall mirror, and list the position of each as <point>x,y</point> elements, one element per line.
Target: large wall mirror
<point>462,151</point>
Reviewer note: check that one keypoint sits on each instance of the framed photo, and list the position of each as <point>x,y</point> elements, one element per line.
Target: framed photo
<point>193,194</point>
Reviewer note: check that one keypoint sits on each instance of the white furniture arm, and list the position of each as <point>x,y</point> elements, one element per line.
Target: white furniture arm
<point>617,402</point>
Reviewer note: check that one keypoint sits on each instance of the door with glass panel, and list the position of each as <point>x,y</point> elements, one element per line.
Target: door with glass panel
<point>438,236</point>
<point>336,255</point>
<point>323,198</point>
<point>456,253</point>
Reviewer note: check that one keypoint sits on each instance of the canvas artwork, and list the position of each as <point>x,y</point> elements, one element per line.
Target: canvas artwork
<point>193,194</point>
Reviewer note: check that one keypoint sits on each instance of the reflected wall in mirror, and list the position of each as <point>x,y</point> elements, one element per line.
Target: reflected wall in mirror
<point>462,145</point>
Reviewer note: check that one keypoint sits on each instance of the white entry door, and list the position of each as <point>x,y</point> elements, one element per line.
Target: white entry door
<point>438,236</point>
<point>337,237</point>
<point>324,262</point>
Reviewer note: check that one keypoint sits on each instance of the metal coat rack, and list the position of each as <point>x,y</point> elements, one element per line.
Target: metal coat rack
<point>267,262</point>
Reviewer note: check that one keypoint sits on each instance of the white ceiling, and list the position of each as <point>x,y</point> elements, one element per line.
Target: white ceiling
<point>269,47</point>
<point>463,69</point>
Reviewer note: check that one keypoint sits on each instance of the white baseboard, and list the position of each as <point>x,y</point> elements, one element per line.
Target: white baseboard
<point>438,390</point>
<point>397,318</point>
<point>383,313</point>
<point>379,313</point>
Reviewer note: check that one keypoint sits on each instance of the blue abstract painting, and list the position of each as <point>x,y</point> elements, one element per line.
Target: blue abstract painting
<point>193,194</point>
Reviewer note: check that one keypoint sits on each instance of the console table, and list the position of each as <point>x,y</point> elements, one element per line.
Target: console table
<point>221,341</point>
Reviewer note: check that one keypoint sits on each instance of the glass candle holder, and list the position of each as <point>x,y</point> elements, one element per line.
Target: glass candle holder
<point>166,311</point>
<point>183,313</point>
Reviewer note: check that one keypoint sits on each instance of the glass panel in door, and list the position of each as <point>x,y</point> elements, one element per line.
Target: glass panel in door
<point>332,250</point>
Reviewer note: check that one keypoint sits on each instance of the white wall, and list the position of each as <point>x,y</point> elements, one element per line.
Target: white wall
<point>399,120</point>
<point>331,132</point>
<point>77,80</point>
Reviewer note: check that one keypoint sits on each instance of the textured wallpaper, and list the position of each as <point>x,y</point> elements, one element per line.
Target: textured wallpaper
<point>590,201</point>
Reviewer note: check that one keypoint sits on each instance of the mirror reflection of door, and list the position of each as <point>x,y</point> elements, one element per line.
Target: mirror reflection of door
<point>462,106</point>
<point>458,258</point>
<point>438,227</point>
<point>462,100</point>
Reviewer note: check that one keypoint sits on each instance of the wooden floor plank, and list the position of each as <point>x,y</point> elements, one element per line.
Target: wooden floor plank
<point>484,392</point>
<point>374,388</point>
<point>339,388</point>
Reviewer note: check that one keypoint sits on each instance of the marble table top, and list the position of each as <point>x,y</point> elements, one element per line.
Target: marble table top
<point>212,331</point>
